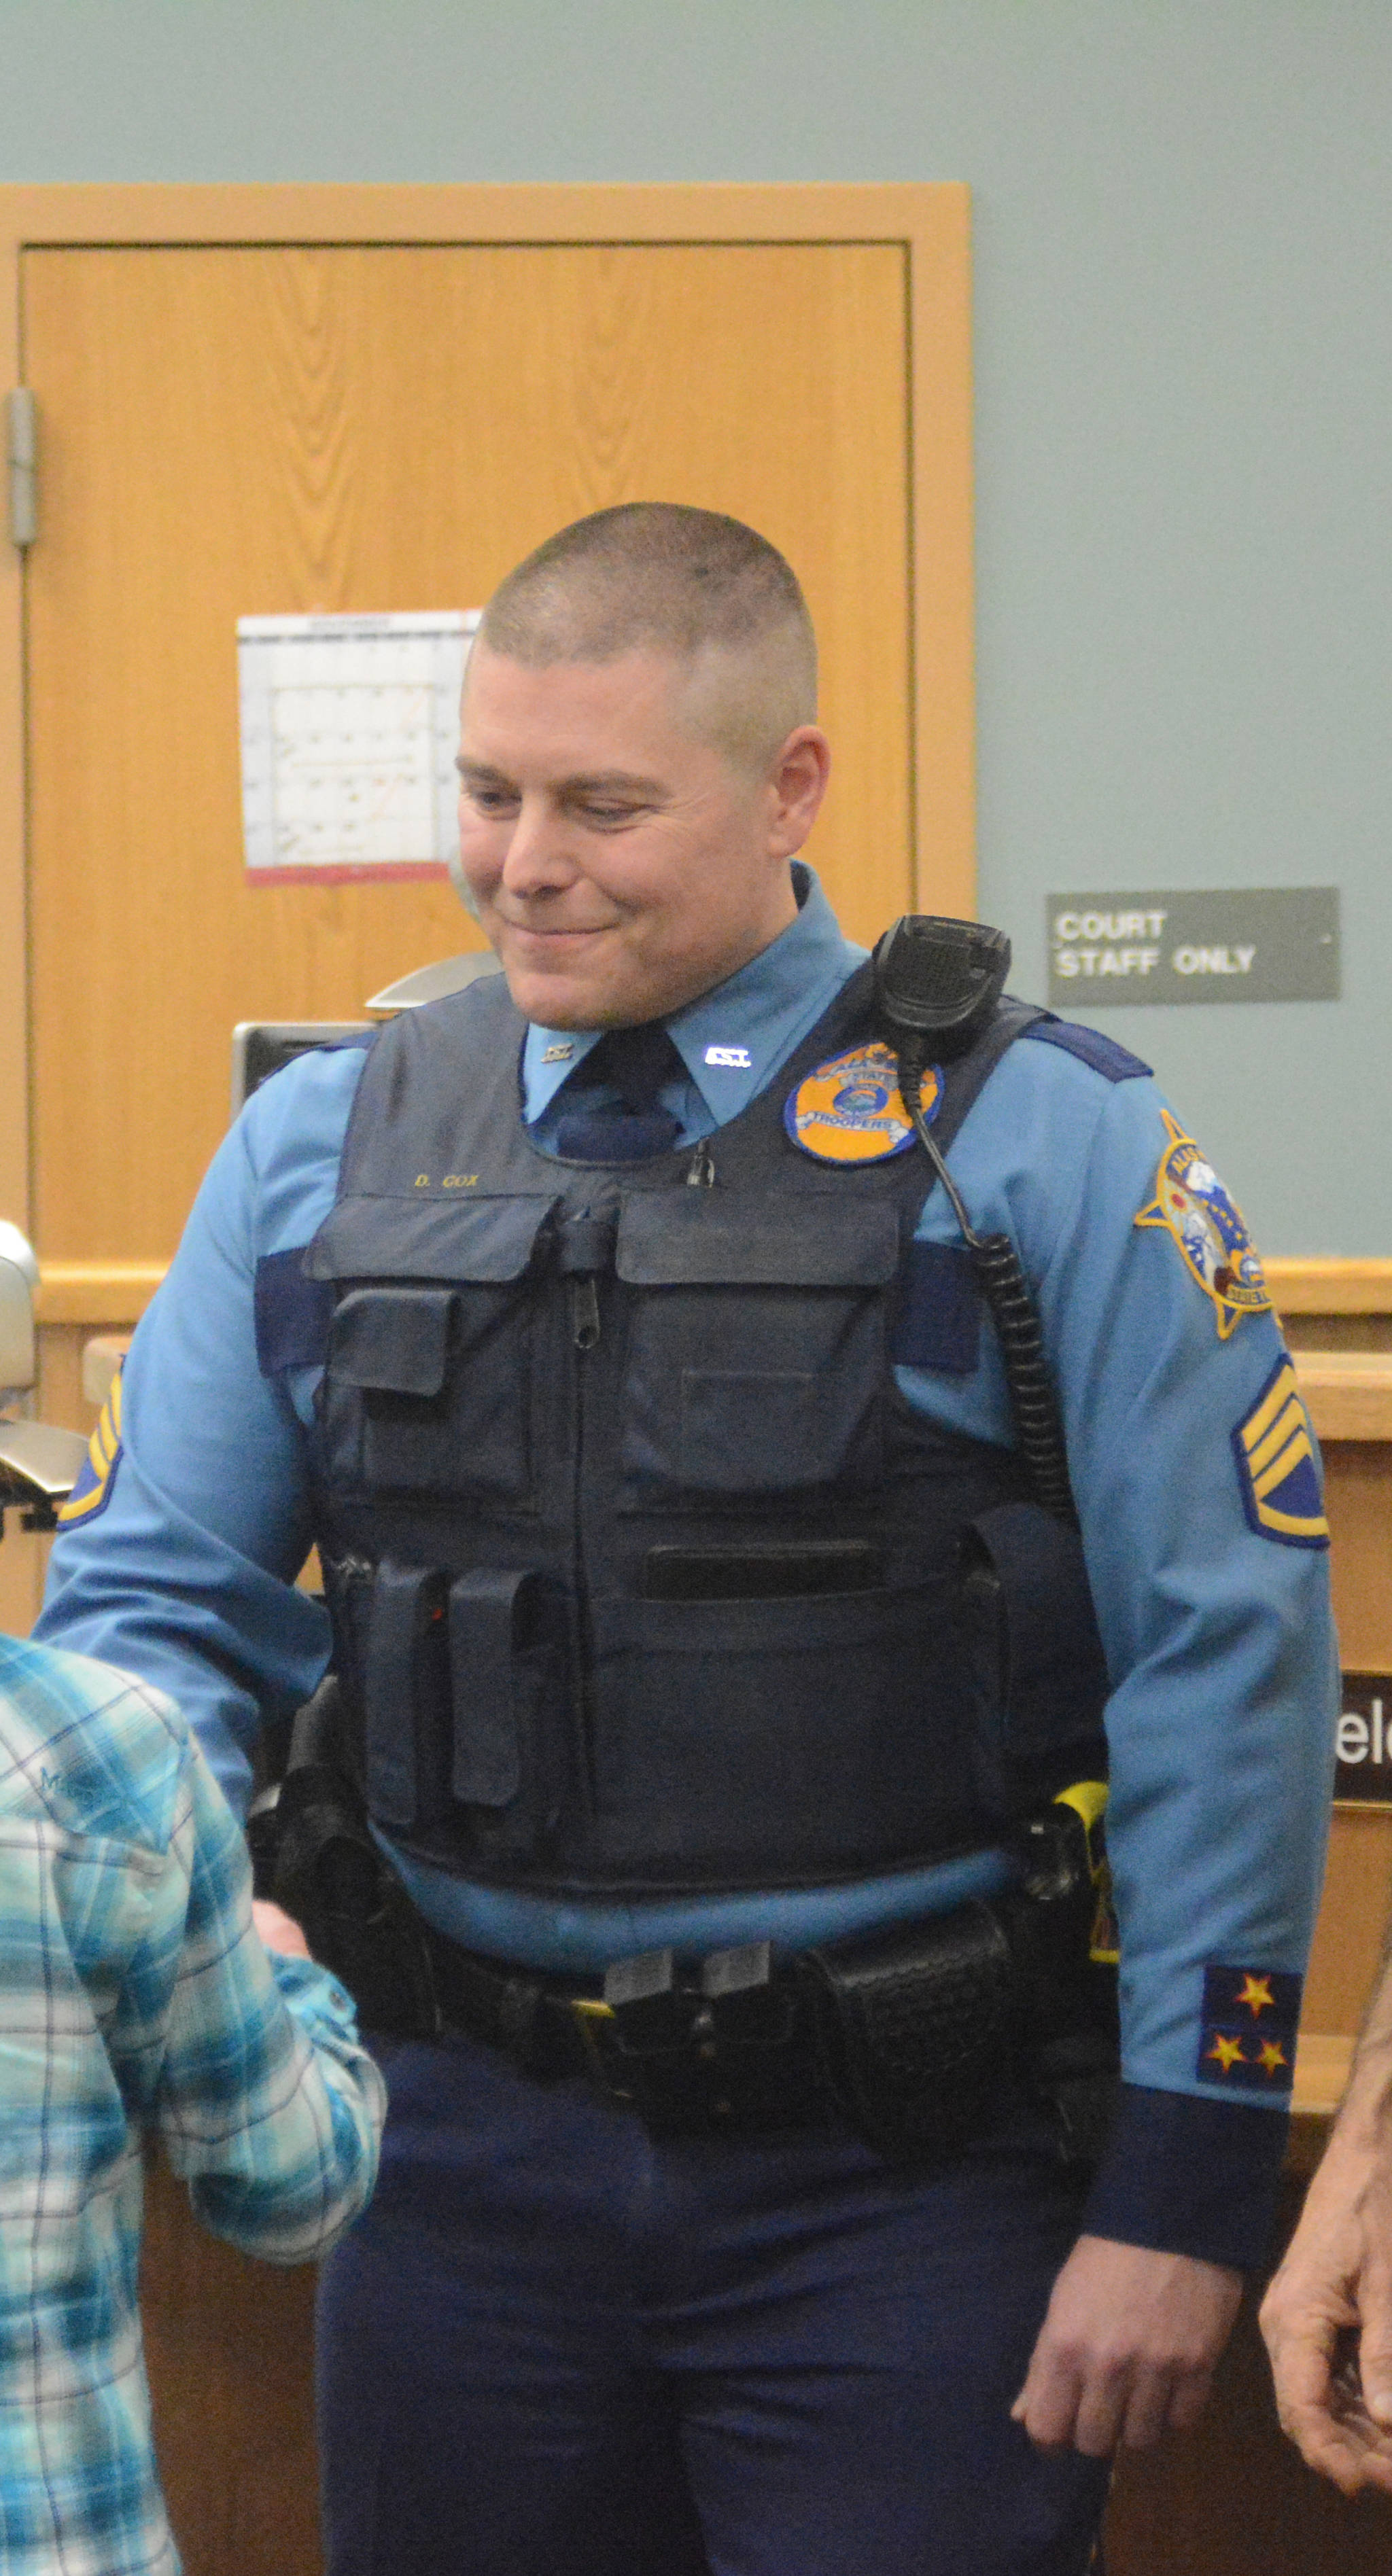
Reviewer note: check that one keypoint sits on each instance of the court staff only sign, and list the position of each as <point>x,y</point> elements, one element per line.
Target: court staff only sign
<point>1239,944</point>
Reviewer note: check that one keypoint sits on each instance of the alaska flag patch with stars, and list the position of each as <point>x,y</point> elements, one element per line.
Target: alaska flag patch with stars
<point>1278,1465</point>
<point>1247,2035</point>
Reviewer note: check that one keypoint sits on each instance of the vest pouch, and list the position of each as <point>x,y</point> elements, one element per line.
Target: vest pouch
<point>429,1390</point>
<point>919,2031</point>
<point>1030,1648</point>
<point>838,1714</point>
<point>757,1343</point>
<point>405,1696</point>
<point>508,1667</point>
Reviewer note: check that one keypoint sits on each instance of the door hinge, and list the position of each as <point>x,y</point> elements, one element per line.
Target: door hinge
<point>23,450</point>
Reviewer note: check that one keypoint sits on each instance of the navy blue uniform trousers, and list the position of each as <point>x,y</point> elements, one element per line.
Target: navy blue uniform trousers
<point>556,2347</point>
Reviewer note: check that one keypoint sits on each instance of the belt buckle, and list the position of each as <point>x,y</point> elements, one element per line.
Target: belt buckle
<point>590,2014</point>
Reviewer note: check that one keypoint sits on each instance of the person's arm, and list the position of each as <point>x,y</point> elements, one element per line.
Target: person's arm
<point>1327,2316</point>
<point>1214,1617</point>
<point>179,1564</point>
<point>268,2107</point>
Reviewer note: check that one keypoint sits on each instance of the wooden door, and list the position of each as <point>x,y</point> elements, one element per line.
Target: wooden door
<point>232,431</point>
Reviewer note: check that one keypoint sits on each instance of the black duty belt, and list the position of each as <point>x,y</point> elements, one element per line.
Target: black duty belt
<point>910,2035</point>
<point>920,2036</point>
<point>726,2046</point>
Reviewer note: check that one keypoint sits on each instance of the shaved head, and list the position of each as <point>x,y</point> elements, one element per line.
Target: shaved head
<point>700,590</point>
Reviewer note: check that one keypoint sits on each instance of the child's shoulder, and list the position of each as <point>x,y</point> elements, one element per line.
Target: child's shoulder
<point>94,1750</point>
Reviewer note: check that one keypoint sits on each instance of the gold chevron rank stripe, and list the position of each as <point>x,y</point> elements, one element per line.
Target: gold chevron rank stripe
<point>1278,1465</point>
<point>104,1448</point>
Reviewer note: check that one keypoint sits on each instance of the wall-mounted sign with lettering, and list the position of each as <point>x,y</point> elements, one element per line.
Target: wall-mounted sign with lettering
<point>1363,1740</point>
<point>1239,944</point>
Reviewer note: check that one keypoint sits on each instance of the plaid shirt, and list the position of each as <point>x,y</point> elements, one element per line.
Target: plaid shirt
<point>136,1997</point>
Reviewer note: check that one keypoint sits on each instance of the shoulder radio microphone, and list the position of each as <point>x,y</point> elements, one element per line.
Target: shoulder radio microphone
<point>938,984</point>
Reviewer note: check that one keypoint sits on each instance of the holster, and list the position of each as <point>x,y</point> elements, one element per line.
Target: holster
<point>1069,1986</point>
<point>331,1877</point>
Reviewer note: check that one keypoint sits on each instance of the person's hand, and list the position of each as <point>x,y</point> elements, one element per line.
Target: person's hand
<point>1327,2317</point>
<point>278,1929</point>
<point>1128,2348</point>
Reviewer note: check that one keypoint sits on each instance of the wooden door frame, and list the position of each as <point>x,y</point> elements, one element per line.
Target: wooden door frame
<point>929,223</point>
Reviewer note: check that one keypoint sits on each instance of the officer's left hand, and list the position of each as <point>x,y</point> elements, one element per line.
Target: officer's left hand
<point>1128,2348</point>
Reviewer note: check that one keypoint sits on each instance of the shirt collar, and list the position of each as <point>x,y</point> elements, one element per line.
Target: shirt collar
<point>752,1021</point>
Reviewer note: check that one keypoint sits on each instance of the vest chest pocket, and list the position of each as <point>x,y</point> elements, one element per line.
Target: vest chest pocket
<point>757,1357</point>
<point>439,1387</point>
<point>427,1391</point>
<point>430,1384</point>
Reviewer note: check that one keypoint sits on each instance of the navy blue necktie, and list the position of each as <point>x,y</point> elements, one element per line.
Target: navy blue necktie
<point>635,1063</point>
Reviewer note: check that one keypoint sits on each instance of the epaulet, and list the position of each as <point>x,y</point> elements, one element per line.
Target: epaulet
<point>358,1044</point>
<point>1114,1063</point>
<point>361,1041</point>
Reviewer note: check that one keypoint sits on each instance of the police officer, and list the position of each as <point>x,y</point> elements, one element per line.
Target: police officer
<point>609,1332</point>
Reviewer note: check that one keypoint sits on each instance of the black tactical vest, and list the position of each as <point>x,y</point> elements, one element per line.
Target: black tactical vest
<point>640,1565</point>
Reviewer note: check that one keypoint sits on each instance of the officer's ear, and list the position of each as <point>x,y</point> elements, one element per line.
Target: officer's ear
<point>797,782</point>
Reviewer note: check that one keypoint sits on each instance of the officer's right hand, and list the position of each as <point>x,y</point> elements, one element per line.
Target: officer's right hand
<point>279,1930</point>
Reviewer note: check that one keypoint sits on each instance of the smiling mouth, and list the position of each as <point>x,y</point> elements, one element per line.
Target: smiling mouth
<point>559,930</point>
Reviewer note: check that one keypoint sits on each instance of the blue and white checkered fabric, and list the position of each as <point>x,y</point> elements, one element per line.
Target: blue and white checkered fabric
<point>135,1998</point>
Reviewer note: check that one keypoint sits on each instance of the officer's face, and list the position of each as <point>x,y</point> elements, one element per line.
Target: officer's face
<point>619,864</point>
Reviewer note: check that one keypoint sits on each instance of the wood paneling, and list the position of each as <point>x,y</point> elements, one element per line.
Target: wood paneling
<point>1331,1286</point>
<point>1349,1393</point>
<point>1322,2063</point>
<point>1344,1332</point>
<point>94,1293</point>
<point>1358,1881</point>
<point>59,1398</point>
<point>1352,1921</point>
<point>229,2348</point>
<point>229,431</point>
<point>1358,1476</point>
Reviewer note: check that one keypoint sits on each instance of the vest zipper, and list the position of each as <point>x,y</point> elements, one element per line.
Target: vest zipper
<point>585,1330</point>
<point>584,1313</point>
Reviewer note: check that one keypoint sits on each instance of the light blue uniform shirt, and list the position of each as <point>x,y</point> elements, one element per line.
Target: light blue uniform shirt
<point>1216,1631</point>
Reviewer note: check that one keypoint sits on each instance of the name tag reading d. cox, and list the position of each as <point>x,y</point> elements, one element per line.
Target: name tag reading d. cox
<point>1363,1741</point>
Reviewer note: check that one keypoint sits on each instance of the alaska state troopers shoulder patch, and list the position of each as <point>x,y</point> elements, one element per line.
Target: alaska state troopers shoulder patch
<point>1278,1465</point>
<point>96,1475</point>
<point>1215,1246</point>
<point>850,1110</point>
